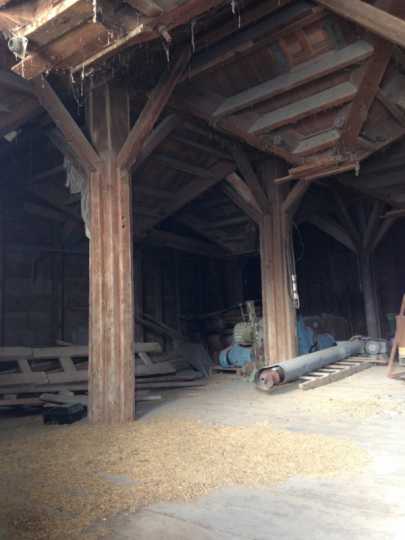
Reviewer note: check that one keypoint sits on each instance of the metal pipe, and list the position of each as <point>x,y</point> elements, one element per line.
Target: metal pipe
<point>291,370</point>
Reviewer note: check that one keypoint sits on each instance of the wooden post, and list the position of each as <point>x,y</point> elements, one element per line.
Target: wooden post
<point>275,245</point>
<point>108,161</point>
<point>369,294</point>
<point>112,373</point>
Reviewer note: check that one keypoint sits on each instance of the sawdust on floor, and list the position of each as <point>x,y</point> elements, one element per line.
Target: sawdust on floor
<point>58,479</point>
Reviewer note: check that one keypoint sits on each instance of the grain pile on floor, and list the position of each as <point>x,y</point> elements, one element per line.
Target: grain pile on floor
<point>61,479</point>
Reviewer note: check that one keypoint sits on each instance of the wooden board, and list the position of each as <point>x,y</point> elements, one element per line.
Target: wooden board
<point>302,74</point>
<point>332,373</point>
<point>332,97</point>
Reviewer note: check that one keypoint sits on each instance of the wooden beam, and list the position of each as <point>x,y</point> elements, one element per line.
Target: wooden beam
<point>239,201</point>
<point>156,138</point>
<point>295,195</point>
<point>279,314</point>
<point>382,231</point>
<point>368,88</point>
<point>346,219</point>
<point>377,21</point>
<point>395,213</point>
<point>149,8</point>
<point>371,310</point>
<point>152,110</point>
<point>193,190</point>
<point>73,135</point>
<point>239,193</point>
<point>189,99</point>
<point>297,110</point>
<point>268,29</point>
<point>49,21</point>
<point>111,369</point>
<point>317,143</point>
<point>333,229</point>
<point>304,73</point>
<point>395,111</point>
<point>372,222</point>
<point>247,172</point>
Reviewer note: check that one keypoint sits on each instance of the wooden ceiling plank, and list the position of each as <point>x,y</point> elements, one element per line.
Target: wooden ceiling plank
<point>53,20</point>
<point>193,190</point>
<point>73,135</point>
<point>248,18</point>
<point>267,30</point>
<point>141,30</point>
<point>298,110</point>
<point>202,147</point>
<point>203,105</point>
<point>182,166</point>
<point>304,73</point>
<point>374,19</point>
<point>156,103</point>
<point>317,143</point>
<point>185,243</point>
<point>198,226</point>
<point>156,138</point>
<point>247,172</point>
<point>149,8</point>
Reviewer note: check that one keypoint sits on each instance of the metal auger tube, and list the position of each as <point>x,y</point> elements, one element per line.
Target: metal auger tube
<point>291,370</point>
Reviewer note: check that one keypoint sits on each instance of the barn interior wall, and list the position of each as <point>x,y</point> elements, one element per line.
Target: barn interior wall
<point>45,288</point>
<point>44,292</point>
<point>329,282</point>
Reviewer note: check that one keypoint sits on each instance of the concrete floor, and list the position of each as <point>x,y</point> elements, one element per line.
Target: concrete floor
<point>368,408</point>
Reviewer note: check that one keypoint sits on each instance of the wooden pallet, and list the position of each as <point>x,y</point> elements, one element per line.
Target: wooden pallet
<point>333,372</point>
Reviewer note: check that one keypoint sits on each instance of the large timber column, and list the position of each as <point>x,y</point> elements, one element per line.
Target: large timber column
<point>275,249</point>
<point>107,162</point>
<point>111,377</point>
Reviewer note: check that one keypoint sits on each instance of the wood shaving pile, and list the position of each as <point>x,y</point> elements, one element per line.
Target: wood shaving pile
<point>57,479</point>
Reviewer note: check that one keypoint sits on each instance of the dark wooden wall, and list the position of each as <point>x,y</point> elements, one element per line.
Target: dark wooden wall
<point>329,282</point>
<point>44,289</point>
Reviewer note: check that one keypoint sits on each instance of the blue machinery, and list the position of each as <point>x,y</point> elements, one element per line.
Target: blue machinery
<point>246,334</point>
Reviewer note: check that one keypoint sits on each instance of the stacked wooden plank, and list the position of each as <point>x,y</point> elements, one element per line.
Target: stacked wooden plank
<point>27,374</point>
